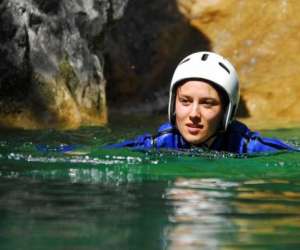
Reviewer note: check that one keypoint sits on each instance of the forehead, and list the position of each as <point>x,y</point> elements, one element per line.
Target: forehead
<point>197,88</point>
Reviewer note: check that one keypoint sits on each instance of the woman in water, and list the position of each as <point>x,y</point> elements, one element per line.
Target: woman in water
<point>204,96</point>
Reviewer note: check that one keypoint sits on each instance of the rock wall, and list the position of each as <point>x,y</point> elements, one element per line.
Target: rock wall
<point>51,70</point>
<point>261,38</point>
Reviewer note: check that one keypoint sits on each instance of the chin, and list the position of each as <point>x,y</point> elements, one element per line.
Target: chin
<point>194,141</point>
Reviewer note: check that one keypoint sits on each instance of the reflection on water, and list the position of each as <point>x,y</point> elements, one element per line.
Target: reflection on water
<point>215,214</point>
<point>60,215</point>
<point>199,213</point>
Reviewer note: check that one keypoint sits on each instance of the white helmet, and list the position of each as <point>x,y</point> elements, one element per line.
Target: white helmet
<point>211,67</point>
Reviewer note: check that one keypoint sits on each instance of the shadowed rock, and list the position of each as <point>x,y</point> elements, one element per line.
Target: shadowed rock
<point>142,50</point>
<point>51,72</point>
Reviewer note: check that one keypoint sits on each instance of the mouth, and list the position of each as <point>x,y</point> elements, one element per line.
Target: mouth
<point>194,129</point>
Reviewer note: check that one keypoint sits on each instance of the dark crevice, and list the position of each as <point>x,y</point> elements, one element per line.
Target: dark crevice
<point>15,69</point>
<point>48,7</point>
<point>142,50</point>
<point>110,12</point>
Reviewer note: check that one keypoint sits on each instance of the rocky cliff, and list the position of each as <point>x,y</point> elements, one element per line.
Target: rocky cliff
<point>56,57</point>
<point>261,39</point>
<point>51,72</point>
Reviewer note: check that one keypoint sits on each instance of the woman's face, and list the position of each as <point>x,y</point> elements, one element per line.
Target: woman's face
<point>198,111</point>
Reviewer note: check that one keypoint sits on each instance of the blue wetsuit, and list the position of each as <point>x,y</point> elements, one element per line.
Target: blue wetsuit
<point>237,139</point>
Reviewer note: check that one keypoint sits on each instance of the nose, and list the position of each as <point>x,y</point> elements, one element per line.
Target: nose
<point>195,115</point>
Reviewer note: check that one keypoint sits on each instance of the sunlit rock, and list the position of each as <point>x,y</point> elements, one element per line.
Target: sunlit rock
<point>51,71</point>
<point>261,38</point>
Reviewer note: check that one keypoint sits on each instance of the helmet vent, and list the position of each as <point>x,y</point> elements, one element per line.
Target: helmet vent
<point>204,57</point>
<point>187,59</point>
<point>224,67</point>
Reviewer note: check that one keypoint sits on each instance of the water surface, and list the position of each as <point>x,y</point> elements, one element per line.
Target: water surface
<point>92,198</point>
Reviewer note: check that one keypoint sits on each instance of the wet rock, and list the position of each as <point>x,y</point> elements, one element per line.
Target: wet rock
<point>51,71</point>
<point>261,38</point>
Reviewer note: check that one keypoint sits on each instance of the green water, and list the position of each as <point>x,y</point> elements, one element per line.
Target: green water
<point>119,199</point>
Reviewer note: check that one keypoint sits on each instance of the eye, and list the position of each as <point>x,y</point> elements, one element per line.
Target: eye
<point>184,101</point>
<point>209,103</point>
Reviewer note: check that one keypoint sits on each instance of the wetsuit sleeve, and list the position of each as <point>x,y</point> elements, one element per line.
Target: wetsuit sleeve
<point>262,144</point>
<point>140,142</point>
<point>167,137</point>
<point>240,139</point>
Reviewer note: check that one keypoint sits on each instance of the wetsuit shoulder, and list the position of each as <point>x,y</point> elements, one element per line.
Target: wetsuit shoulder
<point>169,137</point>
<point>252,142</point>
